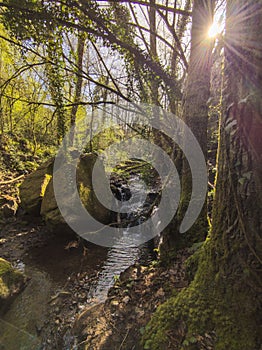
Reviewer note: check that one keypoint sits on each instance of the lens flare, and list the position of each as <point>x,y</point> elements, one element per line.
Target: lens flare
<point>215,29</point>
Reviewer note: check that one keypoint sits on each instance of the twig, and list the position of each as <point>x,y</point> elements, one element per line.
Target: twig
<point>13,180</point>
<point>120,347</point>
<point>211,185</point>
<point>58,295</point>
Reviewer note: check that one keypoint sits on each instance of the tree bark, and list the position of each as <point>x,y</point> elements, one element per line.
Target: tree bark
<point>195,115</point>
<point>79,83</point>
<point>225,297</point>
<point>153,51</point>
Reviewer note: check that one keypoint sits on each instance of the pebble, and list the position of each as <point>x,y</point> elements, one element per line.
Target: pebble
<point>126,299</point>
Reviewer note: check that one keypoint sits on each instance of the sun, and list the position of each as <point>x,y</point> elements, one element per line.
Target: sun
<point>215,29</point>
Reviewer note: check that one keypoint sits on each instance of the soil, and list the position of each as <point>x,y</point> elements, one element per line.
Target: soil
<point>66,268</point>
<point>120,321</point>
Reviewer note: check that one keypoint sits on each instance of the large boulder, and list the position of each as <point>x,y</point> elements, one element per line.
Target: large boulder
<point>33,188</point>
<point>49,208</point>
<point>11,281</point>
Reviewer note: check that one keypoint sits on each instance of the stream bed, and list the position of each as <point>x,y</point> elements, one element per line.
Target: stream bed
<point>65,277</point>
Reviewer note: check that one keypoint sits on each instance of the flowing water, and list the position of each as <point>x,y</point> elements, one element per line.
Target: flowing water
<point>122,254</point>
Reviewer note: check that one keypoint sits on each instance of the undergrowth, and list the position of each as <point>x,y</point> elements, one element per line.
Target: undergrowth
<point>20,156</point>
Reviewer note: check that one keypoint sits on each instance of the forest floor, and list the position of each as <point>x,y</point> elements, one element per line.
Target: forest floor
<point>120,321</point>
<point>59,270</point>
<point>116,324</point>
<point>58,279</point>
<point>66,321</point>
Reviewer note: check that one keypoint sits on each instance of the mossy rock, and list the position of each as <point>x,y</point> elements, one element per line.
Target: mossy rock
<point>33,188</point>
<point>11,280</point>
<point>49,208</point>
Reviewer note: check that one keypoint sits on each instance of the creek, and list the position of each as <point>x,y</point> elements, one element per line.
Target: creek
<point>63,282</point>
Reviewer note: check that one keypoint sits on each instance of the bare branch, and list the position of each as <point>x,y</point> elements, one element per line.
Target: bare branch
<point>105,33</point>
<point>47,104</point>
<point>106,68</point>
<point>173,32</point>
<point>83,74</point>
<point>19,72</point>
<point>157,6</point>
<point>139,28</point>
<point>156,34</point>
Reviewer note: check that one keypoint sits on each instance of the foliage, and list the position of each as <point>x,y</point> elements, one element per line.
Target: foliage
<point>37,21</point>
<point>18,154</point>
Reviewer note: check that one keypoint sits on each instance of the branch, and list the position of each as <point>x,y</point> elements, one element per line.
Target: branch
<point>157,6</point>
<point>106,68</point>
<point>173,32</point>
<point>12,180</point>
<point>24,47</point>
<point>20,71</point>
<point>106,34</point>
<point>152,32</point>
<point>47,104</point>
<point>139,27</point>
<point>87,77</point>
<point>48,61</point>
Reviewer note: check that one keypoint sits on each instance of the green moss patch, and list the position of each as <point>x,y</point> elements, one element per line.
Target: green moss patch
<point>11,280</point>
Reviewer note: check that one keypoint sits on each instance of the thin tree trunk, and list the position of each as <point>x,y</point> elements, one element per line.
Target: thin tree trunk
<point>153,50</point>
<point>195,115</point>
<point>79,82</point>
<point>174,100</point>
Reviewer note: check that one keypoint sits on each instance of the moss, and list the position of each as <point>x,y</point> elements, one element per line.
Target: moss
<point>51,212</point>
<point>173,240</point>
<point>10,279</point>
<point>46,180</point>
<point>85,193</point>
<point>5,267</point>
<point>208,305</point>
<point>192,265</point>
<point>155,335</point>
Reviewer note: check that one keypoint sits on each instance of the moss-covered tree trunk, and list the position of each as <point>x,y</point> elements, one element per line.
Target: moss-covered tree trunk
<point>225,297</point>
<point>153,50</point>
<point>79,83</point>
<point>195,115</point>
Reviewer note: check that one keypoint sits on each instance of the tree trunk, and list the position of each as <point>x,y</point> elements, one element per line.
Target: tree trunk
<point>153,51</point>
<point>225,297</point>
<point>55,82</point>
<point>174,100</point>
<point>79,82</point>
<point>195,115</point>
